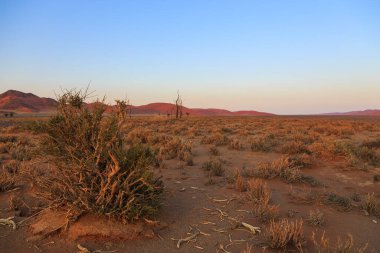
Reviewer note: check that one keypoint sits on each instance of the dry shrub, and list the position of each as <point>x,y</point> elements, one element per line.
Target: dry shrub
<point>340,202</point>
<point>7,181</point>
<point>94,170</point>
<point>283,168</point>
<point>357,154</point>
<point>316,218</point>
<point>266,212</point>
<point>217,139</point>
<point>287,168</point>
<point>138,136</point>
<point>259,193</point>
<point>9,138</point>
<point>293,147</point>
<point>12,167</point>
<point>347,246</point>
<point>214,151</point>
<point>264,143</point>
<point>258,190</point>
<point>301,160</point>
<point>214,167</point>
<point>304,196</point>
<point>371,205</point>
<point>172,148</point>
<point>241,184</point>
<point>5,147</point>
<point>235,144</point>
<point>20,151</point>
<point>283,233</point>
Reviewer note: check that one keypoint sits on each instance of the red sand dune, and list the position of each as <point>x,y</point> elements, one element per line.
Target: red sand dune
<point>13,100</point>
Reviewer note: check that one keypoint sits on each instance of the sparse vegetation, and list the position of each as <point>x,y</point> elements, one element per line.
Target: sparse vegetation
<point>299,152</point>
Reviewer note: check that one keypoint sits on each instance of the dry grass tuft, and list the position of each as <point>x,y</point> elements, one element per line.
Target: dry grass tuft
<point>259,193</point>
<point>214,151</point>
<point>283,233</point>
<point>214,167</point>
<point>316,218</point>
<point>7,181</point>
<point>371,205</point>
<point>347,246</point>
<point>241,183</point>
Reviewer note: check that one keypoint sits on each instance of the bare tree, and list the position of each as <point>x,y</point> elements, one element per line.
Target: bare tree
<point>178,106</point>
<point>122,109</point>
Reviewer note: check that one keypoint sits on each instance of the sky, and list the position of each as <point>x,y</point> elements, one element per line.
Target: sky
<point>284,57</point>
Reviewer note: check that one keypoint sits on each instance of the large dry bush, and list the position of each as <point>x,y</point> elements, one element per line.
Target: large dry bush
<point>94,170</point>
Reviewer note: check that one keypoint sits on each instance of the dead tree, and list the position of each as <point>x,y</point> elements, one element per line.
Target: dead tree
<point>122,109</point>
<point>178,106</point>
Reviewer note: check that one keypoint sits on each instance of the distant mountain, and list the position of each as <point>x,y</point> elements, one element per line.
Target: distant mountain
<point>13,100</point>
<point>372,112</point>
<point>18,101</point>
<point>165,108</point>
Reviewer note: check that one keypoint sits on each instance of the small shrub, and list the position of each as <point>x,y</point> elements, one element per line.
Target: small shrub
<point>214,166</point>
<point>310,180</point>
<point>7,181</point>
<point>12,167</point>
<point>347,246</point>
<point>20,152</point>
<point>371,205</point>
<point>264,143</point>
<point>342,203</point>
<point>241,183</point>
<point>6,139</point>
<point>259,193</point>
<point>235,144</point>
<point>356,197</point>
<point>316,218</point>
<point>258,190</point>
<point>217,139</point>
<point>303,196</point>
<point>214,151</point>
<point>301,160</point>
<point>294,147</point>
<point>266,212</point>
<point>283,233</point>
<point>5,147</point>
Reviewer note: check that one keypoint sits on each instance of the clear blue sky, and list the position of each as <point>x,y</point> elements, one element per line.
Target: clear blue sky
<point>277,56</point>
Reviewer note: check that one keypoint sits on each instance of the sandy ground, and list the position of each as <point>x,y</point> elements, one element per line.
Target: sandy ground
<point>194,201</point>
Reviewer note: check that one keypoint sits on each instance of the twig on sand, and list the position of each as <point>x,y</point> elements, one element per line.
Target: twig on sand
<point>82,249</point>
<point>189,238</point>
<point>223,249</point>
<point>251,228</point>
<point>9,222</point>
<point>208,223</point>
